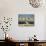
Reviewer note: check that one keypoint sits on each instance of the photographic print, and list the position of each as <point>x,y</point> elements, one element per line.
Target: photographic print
<point>26,19</point>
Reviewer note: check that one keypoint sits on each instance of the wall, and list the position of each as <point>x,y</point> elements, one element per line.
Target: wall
<point>11,8</point>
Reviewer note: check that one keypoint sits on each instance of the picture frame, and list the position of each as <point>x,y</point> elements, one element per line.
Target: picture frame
<point>26,19</point>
